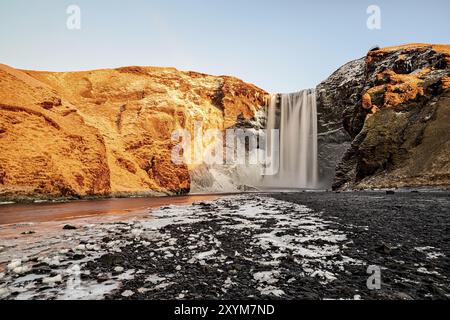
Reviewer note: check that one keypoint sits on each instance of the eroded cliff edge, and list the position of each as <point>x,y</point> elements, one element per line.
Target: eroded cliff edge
<point>108,132</point>
<point>389,115</point>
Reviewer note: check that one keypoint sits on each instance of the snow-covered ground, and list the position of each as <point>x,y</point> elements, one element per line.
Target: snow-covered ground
<point>63,264</point>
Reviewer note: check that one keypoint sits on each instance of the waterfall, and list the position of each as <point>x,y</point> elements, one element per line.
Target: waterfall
<point>295,115</point>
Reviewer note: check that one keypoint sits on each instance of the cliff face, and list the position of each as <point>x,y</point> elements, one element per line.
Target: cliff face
<point>341,91</point>
<point>108,131</point>
<point>384,119</point>
<point>395,109</point>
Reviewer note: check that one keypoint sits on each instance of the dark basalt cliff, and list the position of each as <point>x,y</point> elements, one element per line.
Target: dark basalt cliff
<point>390,111</point>
<point>339,93</point>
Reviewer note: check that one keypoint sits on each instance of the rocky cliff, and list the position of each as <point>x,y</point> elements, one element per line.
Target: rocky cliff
<point>384,121</point>
<point>391,112</point>
<point>108,132</point>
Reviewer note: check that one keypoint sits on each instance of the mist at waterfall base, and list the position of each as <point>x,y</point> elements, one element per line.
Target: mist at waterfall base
<point>295,116</point>
<point>293,151</point>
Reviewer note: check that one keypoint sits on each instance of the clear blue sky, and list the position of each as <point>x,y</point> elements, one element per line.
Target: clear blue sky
<point>279,45</point>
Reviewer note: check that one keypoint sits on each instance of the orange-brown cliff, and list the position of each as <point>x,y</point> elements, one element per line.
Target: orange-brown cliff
<point>107,132</point>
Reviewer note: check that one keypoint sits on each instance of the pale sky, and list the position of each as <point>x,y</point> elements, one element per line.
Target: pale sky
<point>279,45</point>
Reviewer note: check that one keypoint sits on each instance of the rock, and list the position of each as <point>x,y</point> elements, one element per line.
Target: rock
<point>390,192</point>
<point>384,249</point>
<point>28,232</point>
<point>334,98</point>
<point>78,256</point>
<point>396,114</point>
<point>110,260</point>
<point>109,132</point>
<point>42,268</point>
<point>69,227</point>
<point>402,296</point>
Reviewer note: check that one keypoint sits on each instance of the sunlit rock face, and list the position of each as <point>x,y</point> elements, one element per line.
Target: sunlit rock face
<point>394,106</point>
<point>108,132</point>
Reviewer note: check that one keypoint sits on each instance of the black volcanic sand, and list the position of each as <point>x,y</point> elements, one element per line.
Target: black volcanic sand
<point>310,245</point>
<point>396,224</point>
<point>384,230</point>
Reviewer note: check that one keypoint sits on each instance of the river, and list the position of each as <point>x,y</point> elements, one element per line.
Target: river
<point>44,212</point>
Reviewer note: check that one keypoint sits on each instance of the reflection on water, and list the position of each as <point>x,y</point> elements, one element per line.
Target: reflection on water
<point>42,212</point>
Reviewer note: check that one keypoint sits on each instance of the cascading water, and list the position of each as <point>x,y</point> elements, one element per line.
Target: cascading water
<point>295,115</point>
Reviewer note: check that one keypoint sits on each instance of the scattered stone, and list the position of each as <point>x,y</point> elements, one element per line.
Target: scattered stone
<point>402,296</point>
<point>69,227</point>
<point>390,192</point>
<point>251,253</point>
<point>78,256</point>
<point>384,249</point>
<point>28,232</point>
<point>110,260</point>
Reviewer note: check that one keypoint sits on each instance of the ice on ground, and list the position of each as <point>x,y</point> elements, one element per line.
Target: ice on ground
<point>21,269</point>
<point>204,255</point>
<point>52,280</point>
<point>118,269</point>
<point>154,279</point>
<point>426,271</point>
<point>269,277</point>
<point>127,293</point>
<point>4,292</point>
<point>431,252</point>
<point>271,290</point>
<point>281,229</point>
<point>324,275</point>
<point>14,264</point>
